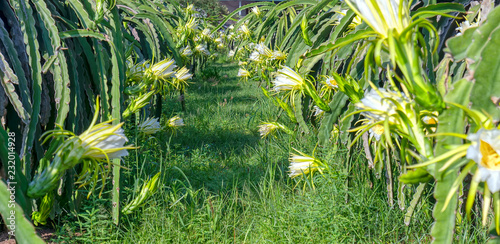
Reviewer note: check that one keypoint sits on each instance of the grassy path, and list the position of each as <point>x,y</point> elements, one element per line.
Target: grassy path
<point>223,184</point>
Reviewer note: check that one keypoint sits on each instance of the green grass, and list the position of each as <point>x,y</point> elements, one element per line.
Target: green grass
<point>222,184</point>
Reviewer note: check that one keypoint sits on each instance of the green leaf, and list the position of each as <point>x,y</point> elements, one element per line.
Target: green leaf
<point>82,33</point>
<point>8,78</point>
<point>363,34</point>
<point>451,120</point>
<point>22,182</point>
<point>25,15</point>
<point>438,9</point>
<point>471,44</point>
<point>297,104</point>
<point>414,202</point>
<point>480,47</point>
<point>346,123</point>
<point>59,72</point>
<point>81,12</point>
<point>163,27</point>
<point>17,67</point>
<point>151,38</point>
<point>117,81</point>
<point>337,104</point>
<point>486,91</point>
<point>323,33</point>
<point>24,231</point>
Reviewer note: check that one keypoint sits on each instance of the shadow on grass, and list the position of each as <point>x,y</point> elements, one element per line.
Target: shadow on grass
<point>223,141</point>
<point>213,90</point>
<point>214,176</point>
<point>214,149</point>
<point>217,161</point>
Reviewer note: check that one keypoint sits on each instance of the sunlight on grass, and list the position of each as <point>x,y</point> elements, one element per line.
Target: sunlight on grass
<point>222,184</point>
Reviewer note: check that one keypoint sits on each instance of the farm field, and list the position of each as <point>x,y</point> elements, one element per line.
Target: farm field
<point>222,184</point>
<point>298,121</point>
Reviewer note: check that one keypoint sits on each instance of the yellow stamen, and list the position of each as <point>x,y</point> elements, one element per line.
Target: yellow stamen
<point>378,129</point>
<point>432,121</point>
<point>490,159</point>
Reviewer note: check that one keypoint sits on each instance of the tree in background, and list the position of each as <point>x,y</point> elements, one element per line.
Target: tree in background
<point>210,9</point>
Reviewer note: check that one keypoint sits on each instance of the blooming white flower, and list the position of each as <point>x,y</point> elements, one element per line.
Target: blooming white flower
<point>183,74</point>
<point>218,40</point>
<point>244,30</point>
<point>202,49</point>
<point>186,51</point>
<point>191,24</point>
<point>243,73</point>
<point>317,111</point>
<point>263,50</point>
<point>231,27</point>
<point>231,53</point>
<point>205,33</point>
<point>464,26</point>
<point>267,128</point>
<point>220,45</point>
<point>382,107</point>
<point>278,55</point>
<point>342,14</point>
<point>382,15</point>
<point>104,140</point>
<point>485,151</point>
<point>255,56</point>
<point>150,126</point>
<point>175,121</point>
<point>429,120</point>
<point>331,82</point>
<point>256,11</point>
<point>377,131</point>
<point>287,79</point>
<point>163,69</point>
<point>136,71</point>
<point>100,142</point>
<point>302,164</point>
<point>136,68</point>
